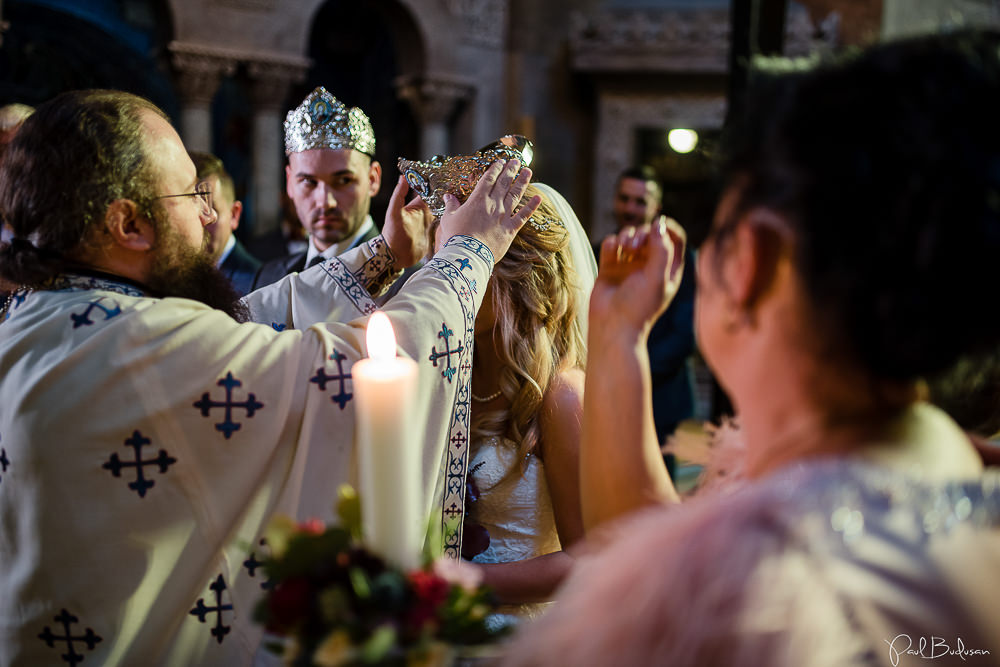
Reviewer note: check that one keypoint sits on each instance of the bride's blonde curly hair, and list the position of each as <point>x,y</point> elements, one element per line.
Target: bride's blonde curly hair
<point>536,333</point>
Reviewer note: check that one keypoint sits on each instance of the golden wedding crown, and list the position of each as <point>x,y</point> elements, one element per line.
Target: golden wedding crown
<point>458,174</point>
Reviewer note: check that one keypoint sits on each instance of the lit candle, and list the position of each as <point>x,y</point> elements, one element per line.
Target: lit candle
<point>385,386</point>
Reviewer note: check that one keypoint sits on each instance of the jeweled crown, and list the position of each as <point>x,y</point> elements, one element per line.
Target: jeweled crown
<point>458,174</point>
<point>322,121</point>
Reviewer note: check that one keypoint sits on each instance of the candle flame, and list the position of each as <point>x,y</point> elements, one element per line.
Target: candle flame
<point>380,337</point>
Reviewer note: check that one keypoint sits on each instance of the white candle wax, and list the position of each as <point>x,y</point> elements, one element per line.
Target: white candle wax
<point>384,387</point>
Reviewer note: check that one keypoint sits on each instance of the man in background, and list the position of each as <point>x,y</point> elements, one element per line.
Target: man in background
<point>229,254</point>
<point>638,199</point>
<point>331,177</point>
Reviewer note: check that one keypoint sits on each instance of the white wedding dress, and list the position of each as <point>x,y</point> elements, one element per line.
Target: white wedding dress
<point>514,506</point>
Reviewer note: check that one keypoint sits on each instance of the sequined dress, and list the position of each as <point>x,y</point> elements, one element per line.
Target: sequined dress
<point>829,562</point>
<point>514,507</point>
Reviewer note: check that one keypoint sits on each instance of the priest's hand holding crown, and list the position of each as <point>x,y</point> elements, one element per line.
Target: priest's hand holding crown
<point>478,195</point>
<point>491,213</point>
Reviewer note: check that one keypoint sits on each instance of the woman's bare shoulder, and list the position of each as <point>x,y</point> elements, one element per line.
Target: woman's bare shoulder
<point>564,393</point>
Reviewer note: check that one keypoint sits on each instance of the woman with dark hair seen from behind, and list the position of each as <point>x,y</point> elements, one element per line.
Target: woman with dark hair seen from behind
<point>848,259</point>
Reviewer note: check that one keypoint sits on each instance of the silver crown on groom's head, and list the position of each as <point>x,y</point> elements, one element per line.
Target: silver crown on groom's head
<point>322,121</point>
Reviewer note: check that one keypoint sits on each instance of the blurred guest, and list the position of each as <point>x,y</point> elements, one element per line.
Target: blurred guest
<point>221,244</point>
<point>846,261</point>
<point>638,199</point>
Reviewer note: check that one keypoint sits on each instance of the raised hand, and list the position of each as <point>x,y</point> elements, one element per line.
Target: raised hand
<point>639,274</point>
<point>406,227</point>
<point>488,214</point>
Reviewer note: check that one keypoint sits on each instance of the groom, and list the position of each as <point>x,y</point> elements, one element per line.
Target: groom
<point>330,179</point>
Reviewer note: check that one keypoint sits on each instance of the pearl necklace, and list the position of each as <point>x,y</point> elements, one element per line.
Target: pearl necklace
<point>484,399</point>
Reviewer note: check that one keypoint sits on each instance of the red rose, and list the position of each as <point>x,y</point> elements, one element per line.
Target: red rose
<point>429,587</point>
<point>288,604</point>
<point>430,591</point>
<point>312,527</point>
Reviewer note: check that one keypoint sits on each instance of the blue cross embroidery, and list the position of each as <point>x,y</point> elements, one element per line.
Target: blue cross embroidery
<point>458,440</point>
<point>453,511</point>
<point>251,564</point>
<point>474,285</point>
<point>464,264</point>
<point>71,656</point>
<point>449,371</point>
<point>4,461</point>
<point>321,378</point>
<point>228,427</point>
<point>141,484</point>
<point>80,319</point>
<point>278,327</point>
<point>201,609</point>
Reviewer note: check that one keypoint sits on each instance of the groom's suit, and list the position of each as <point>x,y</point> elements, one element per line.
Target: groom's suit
<point>276,269</point>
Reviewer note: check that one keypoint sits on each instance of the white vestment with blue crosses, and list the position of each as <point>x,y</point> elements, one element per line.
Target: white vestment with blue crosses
<point>145,442</point>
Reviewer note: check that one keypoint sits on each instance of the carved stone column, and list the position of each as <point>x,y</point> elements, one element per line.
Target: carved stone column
<point>433,100</point>
<point>198,73</point>
<point>271,81</point>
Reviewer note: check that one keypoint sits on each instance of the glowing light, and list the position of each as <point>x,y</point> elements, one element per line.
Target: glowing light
<point>682,141</point>
<point>381,338</point>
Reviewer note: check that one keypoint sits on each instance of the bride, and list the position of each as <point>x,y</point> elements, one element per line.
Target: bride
<point>527,392</point>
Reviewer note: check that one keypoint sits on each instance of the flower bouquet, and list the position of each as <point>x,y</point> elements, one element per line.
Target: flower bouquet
<point>334,602</point>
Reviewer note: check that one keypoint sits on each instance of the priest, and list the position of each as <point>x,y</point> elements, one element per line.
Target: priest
<point>146,433</point>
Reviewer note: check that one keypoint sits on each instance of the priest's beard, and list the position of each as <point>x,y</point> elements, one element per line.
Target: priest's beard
<point>182,271</point>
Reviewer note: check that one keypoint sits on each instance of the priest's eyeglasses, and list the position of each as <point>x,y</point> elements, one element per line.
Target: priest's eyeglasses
<point>203,192</point>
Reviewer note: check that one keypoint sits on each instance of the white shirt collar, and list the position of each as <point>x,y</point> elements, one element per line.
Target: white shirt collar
<point>341,247</point>
<point>230,244</point>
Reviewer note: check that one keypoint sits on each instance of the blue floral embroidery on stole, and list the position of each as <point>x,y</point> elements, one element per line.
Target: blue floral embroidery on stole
<point>351,286</point>
<point>475,245</point>
<point>456,461</point>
